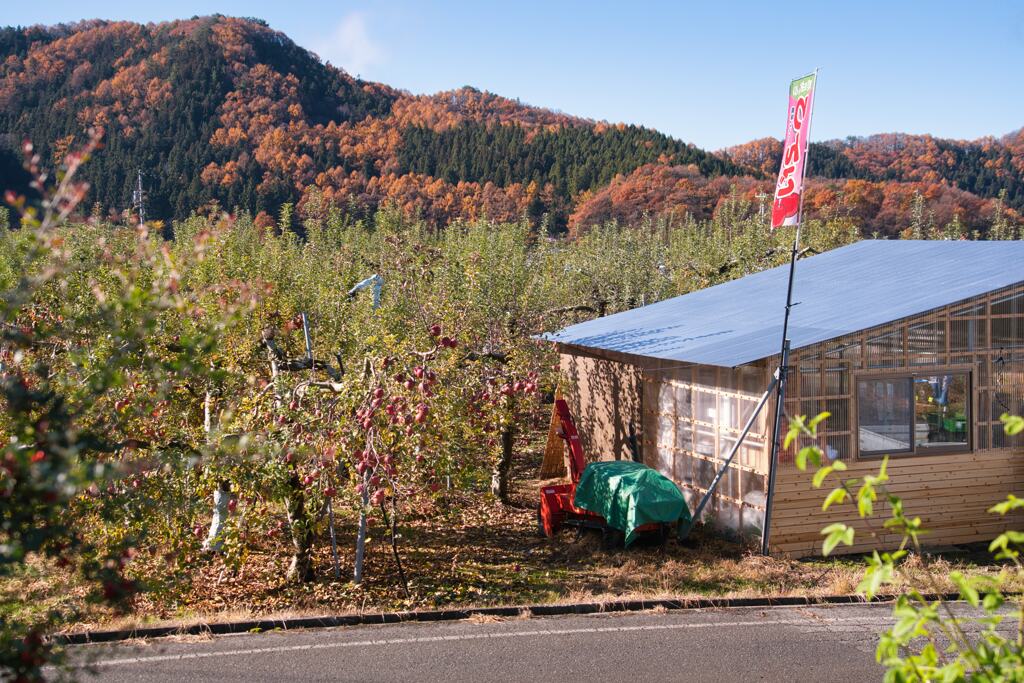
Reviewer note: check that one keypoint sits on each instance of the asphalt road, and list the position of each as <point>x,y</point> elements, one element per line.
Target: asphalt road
<point>834,643</point>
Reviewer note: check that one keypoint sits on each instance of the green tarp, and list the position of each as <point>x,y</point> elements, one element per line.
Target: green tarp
<point>628,495</point>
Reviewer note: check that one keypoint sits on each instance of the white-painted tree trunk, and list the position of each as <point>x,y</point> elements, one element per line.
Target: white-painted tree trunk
<point>214,539</point>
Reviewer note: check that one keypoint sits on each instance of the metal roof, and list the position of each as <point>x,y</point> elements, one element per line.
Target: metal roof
<point>845,290</point>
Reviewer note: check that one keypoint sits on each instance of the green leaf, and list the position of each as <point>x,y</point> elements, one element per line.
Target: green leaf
<point>836,497</point>
<point>865,506</point>
<point>812,453</point>
<point>880,571</point>
<point>817,419</point>
<point>796,428</point>
<point>1012,424</point>
<point>834,535</point>
<point>1012,502</point>
<point>992,601</point>
<point>967,591</point>
<point>820,475</point>
<point>866,497</point>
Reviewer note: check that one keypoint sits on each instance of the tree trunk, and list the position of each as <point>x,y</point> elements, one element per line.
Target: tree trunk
<point>393,523</point>
<point>214,538</point>
<point>503,469</point>
<point>301,568</point>
<point>222,496</point>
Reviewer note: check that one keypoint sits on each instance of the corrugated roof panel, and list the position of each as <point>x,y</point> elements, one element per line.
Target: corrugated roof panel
<point>845,290</point>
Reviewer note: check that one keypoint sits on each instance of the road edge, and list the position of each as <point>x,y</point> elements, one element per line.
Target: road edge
<point>542,610</point>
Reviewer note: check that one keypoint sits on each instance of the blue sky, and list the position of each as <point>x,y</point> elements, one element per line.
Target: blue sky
<point>711,73</point>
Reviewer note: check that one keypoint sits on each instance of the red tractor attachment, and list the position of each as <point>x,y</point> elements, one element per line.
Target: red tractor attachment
<point>557,507</point>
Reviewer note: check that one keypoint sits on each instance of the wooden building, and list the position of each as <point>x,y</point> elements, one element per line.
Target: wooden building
<point>915,347</point>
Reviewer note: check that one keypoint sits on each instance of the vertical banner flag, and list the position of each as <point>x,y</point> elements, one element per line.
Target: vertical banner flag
<point>789,188</point>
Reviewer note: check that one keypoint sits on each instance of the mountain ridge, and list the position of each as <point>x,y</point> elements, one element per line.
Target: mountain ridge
<point>229,111</point>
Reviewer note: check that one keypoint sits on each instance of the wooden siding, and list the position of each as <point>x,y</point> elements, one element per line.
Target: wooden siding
<point>604,396</point>
<point>950,493</point>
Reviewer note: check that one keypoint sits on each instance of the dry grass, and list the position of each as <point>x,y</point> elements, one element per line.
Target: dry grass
<point>474,554</point>
<point>477,618</point>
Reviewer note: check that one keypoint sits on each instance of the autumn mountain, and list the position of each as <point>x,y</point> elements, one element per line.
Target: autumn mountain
<point>227,110</point>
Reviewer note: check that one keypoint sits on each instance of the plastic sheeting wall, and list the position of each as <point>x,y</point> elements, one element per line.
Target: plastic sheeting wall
<point>693,417</point>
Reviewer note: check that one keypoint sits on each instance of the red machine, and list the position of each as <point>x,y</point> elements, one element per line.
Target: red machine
<point>556,507</point>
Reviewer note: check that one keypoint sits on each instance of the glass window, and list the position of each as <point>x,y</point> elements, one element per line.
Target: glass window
<point>940,404</point>
<point>918,414</point>
<point>884,414</point>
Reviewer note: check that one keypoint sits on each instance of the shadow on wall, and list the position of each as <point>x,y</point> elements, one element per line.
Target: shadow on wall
<point>605,400</point>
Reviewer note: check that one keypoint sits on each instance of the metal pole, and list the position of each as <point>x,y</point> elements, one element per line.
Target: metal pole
<point>780,397</point>
<point>305,334</point>
<point>784,354</point>
<point>357,576</point>
<point>334,541</point>
<point>330,506</point>
<point>684,529</point>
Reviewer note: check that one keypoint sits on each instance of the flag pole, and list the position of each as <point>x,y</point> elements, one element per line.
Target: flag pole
<point>780,389</point>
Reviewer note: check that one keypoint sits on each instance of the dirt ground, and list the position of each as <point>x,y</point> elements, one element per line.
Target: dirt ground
<point>476,553</point>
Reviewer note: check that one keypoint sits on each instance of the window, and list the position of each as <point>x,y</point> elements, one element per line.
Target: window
<point>914,415</point>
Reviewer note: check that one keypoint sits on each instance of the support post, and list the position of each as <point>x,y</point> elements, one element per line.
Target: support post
<point>773,462</point>
<point>334,540</point>
<point>357,573</point>
<point>780,398</point>
<point>309,343</point>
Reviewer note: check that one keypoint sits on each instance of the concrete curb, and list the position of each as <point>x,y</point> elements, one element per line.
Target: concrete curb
<point>256,625</point>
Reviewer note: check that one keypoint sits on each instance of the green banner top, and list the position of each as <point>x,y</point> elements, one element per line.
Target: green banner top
<point>801,86</point>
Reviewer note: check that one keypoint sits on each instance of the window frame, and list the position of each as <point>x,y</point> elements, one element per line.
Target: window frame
<point>914,451</point>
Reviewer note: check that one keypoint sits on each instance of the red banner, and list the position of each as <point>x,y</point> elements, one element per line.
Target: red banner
<point>790,186</point>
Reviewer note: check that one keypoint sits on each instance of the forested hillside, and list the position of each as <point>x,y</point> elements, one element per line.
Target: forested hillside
<point>228,111</point>
<point>986,167</point>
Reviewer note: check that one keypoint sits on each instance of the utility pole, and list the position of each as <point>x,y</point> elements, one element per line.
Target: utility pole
<point>139,197</point>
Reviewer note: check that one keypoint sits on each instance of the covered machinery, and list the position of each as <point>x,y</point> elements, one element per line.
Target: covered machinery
<point>623,495</point>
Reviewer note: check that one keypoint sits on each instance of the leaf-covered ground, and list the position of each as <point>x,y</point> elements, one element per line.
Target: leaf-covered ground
<point>475,553</point>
